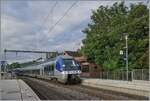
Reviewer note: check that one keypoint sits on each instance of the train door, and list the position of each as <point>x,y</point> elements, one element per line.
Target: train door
<point>42,72</point>
<point>52,70</point>
<point>46,69</point>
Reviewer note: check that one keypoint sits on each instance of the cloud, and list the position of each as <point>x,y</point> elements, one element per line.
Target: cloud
<point>10,25</point>
<point>15,31</point>
<point>25,24</point>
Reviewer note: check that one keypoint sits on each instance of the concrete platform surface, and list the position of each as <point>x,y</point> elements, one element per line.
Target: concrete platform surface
<point>130,87</point>
<point>16,90</point>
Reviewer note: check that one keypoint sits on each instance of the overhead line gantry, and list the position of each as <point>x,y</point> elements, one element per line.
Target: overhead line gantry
<point>26,51</point>
<point>48,53</point>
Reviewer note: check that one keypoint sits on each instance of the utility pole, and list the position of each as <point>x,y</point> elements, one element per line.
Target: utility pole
<point>147,3</point>
<point>0,56</point>
<point>126,53</point>
<point>5,69</point>
<point>0,48</point>
<point>126,38</point>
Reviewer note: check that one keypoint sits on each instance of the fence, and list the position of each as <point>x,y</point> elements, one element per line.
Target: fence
<point>141,74</point>
<point>136,74</point>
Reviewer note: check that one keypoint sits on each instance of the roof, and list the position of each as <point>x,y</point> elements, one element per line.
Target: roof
<point>73,53</point>
<point>81,59</point>
<point>65,57</point>
<point>85,63</point>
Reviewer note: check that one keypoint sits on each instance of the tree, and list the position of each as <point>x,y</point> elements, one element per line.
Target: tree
<point>14,65</point>
<point>102,43</point>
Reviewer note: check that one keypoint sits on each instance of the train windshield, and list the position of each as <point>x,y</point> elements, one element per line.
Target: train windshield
<point>70,64</point>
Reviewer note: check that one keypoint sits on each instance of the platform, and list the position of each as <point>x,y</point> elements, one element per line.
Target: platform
<point>16,90</point>
<point>131,87</point>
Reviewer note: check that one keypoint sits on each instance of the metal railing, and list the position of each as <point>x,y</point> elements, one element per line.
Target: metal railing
<point>136,74</point>
<point>141,74</point>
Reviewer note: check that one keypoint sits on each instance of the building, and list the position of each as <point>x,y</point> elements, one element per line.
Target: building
<point>89,69</point>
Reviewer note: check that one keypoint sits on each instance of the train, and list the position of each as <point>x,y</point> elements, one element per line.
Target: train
<point>63,68</point>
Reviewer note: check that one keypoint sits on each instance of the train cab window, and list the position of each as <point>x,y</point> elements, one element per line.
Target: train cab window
<point>78,64</point>
<point>71,64</point>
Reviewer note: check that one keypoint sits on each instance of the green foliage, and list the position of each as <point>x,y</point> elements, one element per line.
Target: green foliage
<point>14,65</point>
<point>103,36</point>
<point>20,65</point>
<point>28,63</point>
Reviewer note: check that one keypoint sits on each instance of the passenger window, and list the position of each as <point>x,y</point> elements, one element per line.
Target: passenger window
<point>52,67</point>
<point>49,68</point>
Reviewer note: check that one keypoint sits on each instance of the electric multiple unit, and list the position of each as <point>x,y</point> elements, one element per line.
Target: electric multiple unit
<point>63,68</point>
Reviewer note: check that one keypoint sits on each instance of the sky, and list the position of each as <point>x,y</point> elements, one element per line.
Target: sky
<point>27,24</point>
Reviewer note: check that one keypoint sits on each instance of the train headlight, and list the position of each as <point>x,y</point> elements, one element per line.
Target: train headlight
<point>63,65</point>
<point>64,72</point>
<point>79,71</point>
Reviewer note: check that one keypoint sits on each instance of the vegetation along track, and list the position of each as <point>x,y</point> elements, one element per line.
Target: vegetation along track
<point>52,90</point>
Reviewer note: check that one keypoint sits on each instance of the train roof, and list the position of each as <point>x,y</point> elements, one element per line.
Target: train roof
<point>37,66</point>
<point>46,62</point>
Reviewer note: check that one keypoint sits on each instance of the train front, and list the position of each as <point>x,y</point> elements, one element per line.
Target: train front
<point>71,70</point>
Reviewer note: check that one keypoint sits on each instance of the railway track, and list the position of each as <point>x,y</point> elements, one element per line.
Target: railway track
<point>52,90</point>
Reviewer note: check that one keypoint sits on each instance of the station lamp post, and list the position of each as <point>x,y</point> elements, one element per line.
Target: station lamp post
<point>126,53</point>
<point>0,54</point>
<point>126,38</point>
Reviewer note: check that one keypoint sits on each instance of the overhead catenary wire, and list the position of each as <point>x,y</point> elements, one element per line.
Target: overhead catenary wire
<point>50,12</point>
<point>62,16</point>
<point>46,18</point>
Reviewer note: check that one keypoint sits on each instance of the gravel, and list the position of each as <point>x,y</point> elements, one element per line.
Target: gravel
<point>52,90</point>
